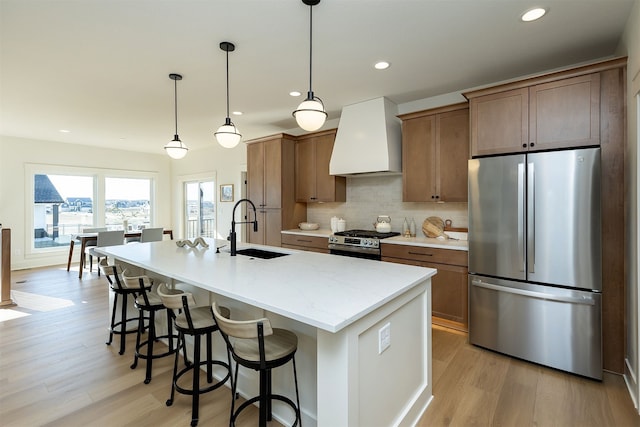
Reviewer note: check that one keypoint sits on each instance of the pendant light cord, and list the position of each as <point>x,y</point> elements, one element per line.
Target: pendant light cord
<point>310,49</point>
<point>175,102</point>
<point>228,84</point>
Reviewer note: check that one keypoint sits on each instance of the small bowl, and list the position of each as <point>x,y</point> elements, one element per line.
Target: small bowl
<point>308,226</point>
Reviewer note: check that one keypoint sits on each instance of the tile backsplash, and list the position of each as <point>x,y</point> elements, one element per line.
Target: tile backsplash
<point>368,197</point>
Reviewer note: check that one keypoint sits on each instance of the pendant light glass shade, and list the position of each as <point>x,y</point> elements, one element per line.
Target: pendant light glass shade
<point>176,149</point>
<point>310,114</point>
<point>227,134</point>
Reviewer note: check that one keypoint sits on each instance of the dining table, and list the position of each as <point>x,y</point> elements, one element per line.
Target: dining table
<point>85,238</point>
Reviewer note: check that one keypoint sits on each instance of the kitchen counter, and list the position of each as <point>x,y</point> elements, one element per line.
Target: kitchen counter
<point>458,245</point>
<point>336,305</point>
<point>311,233</point>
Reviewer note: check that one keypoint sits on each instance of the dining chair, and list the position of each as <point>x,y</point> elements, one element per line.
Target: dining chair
<point>151,234</point>
<point>91,242</point>
<point>105,238</point>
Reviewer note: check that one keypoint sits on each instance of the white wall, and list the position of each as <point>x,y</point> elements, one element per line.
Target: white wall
<point>16,153</point>
<point>630,46</point>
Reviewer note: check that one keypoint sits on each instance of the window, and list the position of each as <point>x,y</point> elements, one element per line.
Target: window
<point>64,200</point>
<point>62,206</point>
<point>127,203</point>
<point>200,209</point>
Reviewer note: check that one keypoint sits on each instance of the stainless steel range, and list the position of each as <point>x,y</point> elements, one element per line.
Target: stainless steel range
<point>358,243</point>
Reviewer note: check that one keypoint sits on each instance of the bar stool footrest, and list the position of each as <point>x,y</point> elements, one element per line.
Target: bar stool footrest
<point>255,399</point>
<point>209,388</point>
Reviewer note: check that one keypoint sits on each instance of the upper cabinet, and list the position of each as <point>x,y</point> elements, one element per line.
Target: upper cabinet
<point>313,182</point>
<point>435,150</point>
<point>270,186</point>
<point>556,113</point>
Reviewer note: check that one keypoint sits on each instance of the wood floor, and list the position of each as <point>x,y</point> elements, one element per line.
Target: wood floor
<point>56,370</point>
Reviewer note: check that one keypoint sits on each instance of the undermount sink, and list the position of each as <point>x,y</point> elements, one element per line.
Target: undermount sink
<point>259,253</point>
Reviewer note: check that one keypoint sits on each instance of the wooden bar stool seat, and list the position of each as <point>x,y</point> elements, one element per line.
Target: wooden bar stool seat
<point>254,344</point>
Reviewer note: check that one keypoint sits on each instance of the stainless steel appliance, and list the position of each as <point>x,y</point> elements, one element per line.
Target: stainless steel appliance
<point>535,270</point>
<point>358,243</point>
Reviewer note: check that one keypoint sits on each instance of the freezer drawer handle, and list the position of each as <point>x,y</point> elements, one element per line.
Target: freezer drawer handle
<point>541,295</point>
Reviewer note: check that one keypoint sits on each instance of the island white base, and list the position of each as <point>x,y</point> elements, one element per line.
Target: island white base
<point>357,386</point>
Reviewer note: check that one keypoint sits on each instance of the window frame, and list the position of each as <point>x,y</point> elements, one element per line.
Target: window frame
<point>99,176</point>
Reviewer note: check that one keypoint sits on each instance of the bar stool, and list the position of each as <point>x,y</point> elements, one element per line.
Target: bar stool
<point>256,345</point>
<point>149,301</point>
<point>195,321</point>
<point>113,273</point>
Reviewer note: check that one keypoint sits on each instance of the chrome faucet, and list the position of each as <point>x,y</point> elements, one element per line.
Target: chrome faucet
<point>232,234</point>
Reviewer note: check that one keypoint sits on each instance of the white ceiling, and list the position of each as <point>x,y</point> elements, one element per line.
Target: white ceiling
<point>99,68</point>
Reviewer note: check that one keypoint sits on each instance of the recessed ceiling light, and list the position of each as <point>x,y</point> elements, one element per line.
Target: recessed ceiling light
<point>237,113</point>
<point>533,14</point>
<point>295,93</point>
<point>64,131</point>
<point>382,65</point>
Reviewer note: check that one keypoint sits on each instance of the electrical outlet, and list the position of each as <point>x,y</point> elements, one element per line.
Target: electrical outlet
<point>384,338</point>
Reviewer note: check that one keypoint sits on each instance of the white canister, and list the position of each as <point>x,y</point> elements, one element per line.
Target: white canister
<point>341,225</point>
<point>334,224</point>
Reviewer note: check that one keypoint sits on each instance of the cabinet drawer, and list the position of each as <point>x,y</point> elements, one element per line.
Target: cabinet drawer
<point>306,241</point>
<point>424,254</point>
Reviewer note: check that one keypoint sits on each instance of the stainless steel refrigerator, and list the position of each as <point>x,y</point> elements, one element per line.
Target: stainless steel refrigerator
<point>535,269</point>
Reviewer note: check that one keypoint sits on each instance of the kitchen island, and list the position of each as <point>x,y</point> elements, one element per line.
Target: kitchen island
<point>337,306</point>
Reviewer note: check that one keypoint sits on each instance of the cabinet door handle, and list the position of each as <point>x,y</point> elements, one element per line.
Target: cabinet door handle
<point>302,240</point>
<point>532,144</point>
<point>419,253</point>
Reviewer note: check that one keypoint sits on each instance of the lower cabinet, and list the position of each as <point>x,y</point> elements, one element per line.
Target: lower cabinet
<point>306,243</point>
<point>449,290</point>
<point>269,226</point>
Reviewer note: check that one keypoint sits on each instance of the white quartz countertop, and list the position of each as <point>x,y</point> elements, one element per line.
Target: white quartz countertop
<point>458,245</point>
<point>311,233</point>
<point>325,291</point>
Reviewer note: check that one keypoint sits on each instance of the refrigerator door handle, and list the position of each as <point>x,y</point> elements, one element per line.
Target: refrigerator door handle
<point>531,224</point>
<point>521,216</point>
<point>533,294</point>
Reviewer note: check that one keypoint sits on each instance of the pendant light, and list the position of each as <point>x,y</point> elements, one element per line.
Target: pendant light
<point>176,149</point>
<point>310,114</point>
<point>227,134</point>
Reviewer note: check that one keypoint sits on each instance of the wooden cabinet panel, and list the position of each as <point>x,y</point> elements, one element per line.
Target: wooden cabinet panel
<point>557,114</point>
<point>421,253</point>
<point>449,293</point>
<point>306,243</point>
<point>255,174</point>
<point>452,154</point>
<point>499,122</point>
<point>435,150</point>
<point>272,174</point>
<point>313,181</point>
<point>305,171</point>
<point>565,113</point>
<point>269,228</point>
<point>418,156</point>
<point>270,182</point>
<point>449,288</point>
